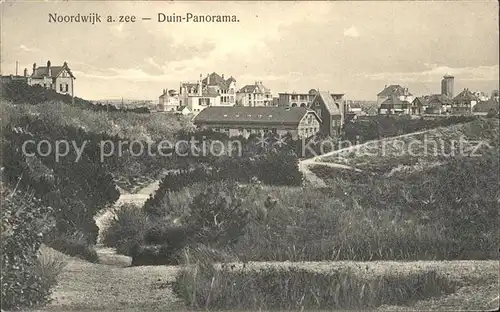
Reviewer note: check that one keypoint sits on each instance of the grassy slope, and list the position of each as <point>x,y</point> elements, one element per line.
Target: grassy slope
<point>419,151</point>
<point>102,287</point>
<point>126,125</point>
<point>131,126</point>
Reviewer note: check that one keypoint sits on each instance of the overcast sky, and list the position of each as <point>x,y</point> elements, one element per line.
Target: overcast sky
<point>345,47</point>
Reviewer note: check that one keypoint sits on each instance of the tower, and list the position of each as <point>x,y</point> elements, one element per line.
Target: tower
<point>447,86</point>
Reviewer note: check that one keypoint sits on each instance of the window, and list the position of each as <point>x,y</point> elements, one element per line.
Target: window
<point>66,88</point>
<point>266,130</point>
<point>61,87</point>
<point>274,130</point>
<point>248,130</point>
<point>226,130</point>
<point>217,129</point>
<point>318,111</point>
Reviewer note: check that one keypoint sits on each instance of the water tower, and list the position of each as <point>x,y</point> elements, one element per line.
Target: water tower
<point>447,86</point>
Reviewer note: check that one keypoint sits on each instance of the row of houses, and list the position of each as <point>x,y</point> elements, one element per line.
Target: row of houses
<point>397,100</point>
<point>324,113</point>
<point>214,90</point>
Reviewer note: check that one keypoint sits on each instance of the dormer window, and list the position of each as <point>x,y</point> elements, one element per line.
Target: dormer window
<point>225,115</point>
<point>260,116</point>
<point>237,116</point>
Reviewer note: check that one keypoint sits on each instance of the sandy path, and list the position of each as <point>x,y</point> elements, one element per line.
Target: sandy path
<point>86,286</point>
<point>312,179</point>
<point>138,199</point>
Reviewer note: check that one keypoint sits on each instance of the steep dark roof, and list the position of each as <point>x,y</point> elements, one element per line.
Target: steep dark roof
<point>43,71</point>
<point>465,96</point>
<point>254,88</point>
<point>487,106</point>
<point>332,107</point>
<point>421,99</point>
<point>215,79</point>
<point>393,90</point>
<point>210,93</point>
<point>250,89</point>
<point>437,99</point>
<point>241,115</point>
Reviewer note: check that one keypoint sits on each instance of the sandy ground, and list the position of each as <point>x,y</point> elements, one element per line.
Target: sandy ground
<point>112,285</point>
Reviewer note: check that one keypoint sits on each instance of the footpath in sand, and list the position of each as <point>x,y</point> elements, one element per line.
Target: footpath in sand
<point>313,180</point>
<point>112,285</point>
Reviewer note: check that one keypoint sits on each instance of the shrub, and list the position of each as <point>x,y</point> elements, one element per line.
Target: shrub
<point>217,215</point>
<point>73,244</point>
<point>154,255</point>
<point>448,212</point>
<point>25,220</point>
<point>50,264</point>
<point>125,229</point>
<point>291,288</point>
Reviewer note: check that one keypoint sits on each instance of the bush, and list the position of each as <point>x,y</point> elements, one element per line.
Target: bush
<point>445,213</point>
<point>126,229</point>
<point>218,216</point>
<point>154,255</point>
<point>73,244</point>
<point>292,288</point>
<point>25,220</point>
<point>50,264</point>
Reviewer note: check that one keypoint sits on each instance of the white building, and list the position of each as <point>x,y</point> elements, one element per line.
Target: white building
<point>254,95</point>
<point>213,90</point>
<point>168,101</point>
<point>57,78</point>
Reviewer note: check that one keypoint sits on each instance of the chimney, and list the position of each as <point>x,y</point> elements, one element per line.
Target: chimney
<point>17,66</point>
<point>49,70</point>
<point>34,68</point>
<point>222,76</point>
<point>25,72</point>
<point>200,85</point>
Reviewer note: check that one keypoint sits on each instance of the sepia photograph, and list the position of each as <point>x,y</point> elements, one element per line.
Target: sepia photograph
<point>249,156</point>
